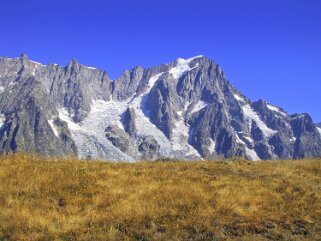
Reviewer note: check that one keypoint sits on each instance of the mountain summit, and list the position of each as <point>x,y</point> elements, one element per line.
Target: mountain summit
<point>185,109</point>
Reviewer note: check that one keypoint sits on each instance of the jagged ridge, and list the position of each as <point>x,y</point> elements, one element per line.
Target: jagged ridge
<point>185,109</point>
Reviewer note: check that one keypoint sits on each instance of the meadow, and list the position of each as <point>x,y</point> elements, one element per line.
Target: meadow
<point>52,199</point>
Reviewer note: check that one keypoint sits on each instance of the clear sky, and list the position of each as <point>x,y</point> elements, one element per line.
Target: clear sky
<point>269,49</point>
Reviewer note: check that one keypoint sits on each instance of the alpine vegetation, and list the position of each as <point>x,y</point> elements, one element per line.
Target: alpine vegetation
<point>185,110</point>
<point>54,199</point>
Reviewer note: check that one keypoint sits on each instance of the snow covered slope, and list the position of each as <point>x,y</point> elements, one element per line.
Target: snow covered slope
<point>185,110</point>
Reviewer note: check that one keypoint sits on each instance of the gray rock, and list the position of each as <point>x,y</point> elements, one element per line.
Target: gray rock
<point>149,148</point>
<point>27,112</point>
<point>308,139</point>
<point>128,120</point>
<point>185,109</point>
<point>118,137</point>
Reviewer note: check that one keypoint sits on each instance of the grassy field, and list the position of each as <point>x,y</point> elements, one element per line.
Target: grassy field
<point>231,200</point>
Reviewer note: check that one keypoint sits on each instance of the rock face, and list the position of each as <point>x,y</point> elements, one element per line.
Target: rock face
<point>185,110</point>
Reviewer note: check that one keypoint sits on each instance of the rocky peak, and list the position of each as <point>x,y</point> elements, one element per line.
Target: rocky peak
<point>23,56</point>
<point>302,122</point>
<point>185,109</point>
<point>73,64</point>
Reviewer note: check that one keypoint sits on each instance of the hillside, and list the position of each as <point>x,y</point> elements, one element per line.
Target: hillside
<point>80,200</point>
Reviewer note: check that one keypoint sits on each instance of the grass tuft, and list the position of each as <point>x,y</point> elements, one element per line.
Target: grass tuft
<point>51,199</point>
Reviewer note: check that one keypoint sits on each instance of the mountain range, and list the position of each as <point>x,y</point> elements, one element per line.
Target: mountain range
<point>185,110</point>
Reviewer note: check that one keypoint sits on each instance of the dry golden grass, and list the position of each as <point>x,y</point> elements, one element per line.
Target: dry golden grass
<point>79,200</point>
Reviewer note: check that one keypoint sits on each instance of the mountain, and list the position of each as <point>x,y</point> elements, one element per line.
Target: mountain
<point>319,127</point>
<point>185,110</point>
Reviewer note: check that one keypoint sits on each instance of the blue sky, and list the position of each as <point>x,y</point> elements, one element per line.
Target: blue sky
<point>268,49</point>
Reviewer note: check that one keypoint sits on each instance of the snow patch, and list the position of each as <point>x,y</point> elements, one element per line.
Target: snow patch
<point>238,98</point>
<point>250,116</point>
<point>275,109</point>
<point>299,116</point>
<point>199,105</point>
<point>195,57</point>
<point>63,114</point>
<point>152,81</point>
<point>2,120</point>
<point>54,129</point>
<point>293,139</point>
<point>2,89</point>
<point>180,137</point>
<point>319,130</point>
<point>34,70</point>
<point>211,147</point>
<point>37,63</point>
<point>89,135</point>
<point>88,67</point>
<point>249,139</point>
<point>110,111</point>
<point>145,128</point>
<point>251,153</point>
<point>181,67</point>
